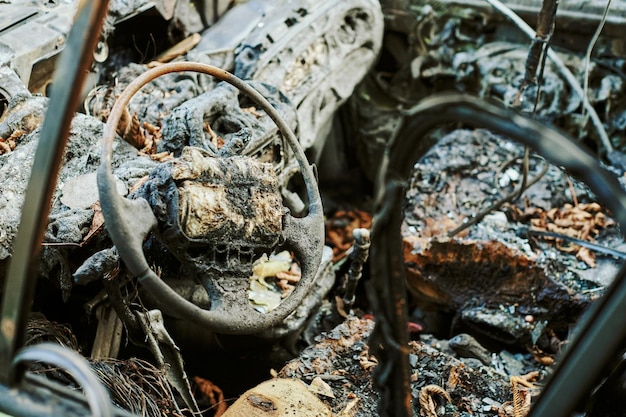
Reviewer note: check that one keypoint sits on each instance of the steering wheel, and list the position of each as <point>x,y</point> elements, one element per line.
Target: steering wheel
<point>129,221</point>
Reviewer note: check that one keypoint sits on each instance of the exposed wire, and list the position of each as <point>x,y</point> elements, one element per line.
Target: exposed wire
<point>77,367</point>
<point>535,67</point>
<point>590,47</point>
<point>136,386</point>
<point>546,36</point>
<point>506,199</point>
<point>537,52</point>
<point>579,242</point>
<point>565,72</point>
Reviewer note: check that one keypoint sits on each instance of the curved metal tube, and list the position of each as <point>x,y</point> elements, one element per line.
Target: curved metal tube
<point>602,330</point>
<point>72,69</point>
<point>128,235</point>
<point>70,361</point>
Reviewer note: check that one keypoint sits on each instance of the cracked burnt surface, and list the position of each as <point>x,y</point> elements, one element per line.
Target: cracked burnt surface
<point>496,261</point>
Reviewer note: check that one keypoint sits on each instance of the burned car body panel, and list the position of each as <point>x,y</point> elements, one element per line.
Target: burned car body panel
<point>31,37</point>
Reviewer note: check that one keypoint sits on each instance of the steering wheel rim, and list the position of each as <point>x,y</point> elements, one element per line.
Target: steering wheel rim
<point>129,221</point>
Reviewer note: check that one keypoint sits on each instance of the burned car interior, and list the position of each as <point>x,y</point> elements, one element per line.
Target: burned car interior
<point>312,208</point>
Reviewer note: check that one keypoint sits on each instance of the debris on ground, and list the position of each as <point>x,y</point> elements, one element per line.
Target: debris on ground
<point>577,221</point>
<point>340,358</point>
<point>497,272</point>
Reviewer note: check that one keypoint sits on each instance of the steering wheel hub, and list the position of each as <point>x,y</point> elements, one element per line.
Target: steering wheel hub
<point>211,209</point>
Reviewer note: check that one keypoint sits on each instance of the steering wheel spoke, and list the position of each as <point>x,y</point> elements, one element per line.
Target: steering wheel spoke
<point>303,236</point>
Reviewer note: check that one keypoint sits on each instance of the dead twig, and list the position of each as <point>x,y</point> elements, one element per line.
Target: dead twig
<point>177,50</point>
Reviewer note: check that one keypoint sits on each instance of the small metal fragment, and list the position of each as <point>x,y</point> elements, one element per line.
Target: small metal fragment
<point>360,252</point>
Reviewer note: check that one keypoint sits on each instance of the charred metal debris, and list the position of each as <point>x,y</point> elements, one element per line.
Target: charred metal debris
<point>200,195</point>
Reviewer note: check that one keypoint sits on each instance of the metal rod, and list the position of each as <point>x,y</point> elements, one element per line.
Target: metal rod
<point>360,252</point>
<point>72,69</point>
<point>387,294</point>
<point>73,363</point>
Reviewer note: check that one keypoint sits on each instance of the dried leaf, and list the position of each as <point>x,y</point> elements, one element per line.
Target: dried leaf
<point>253,111</point>
<point>162,156</point>
<point>521,401</point>
<point>130,128</point>
<point>339,230</point>
<point>581,221</point>
<point>545,360</point>
<point>4,148</point>
<point>213,393</point>
<point>8,145</point>
<point>97,223</point>
<point>428,405</point>
<point>367,361</point>
<point>454,377</point>
<point>506,410</point>
<point>319,386</point>
<point>585,255</point>
<point>523,388</point>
